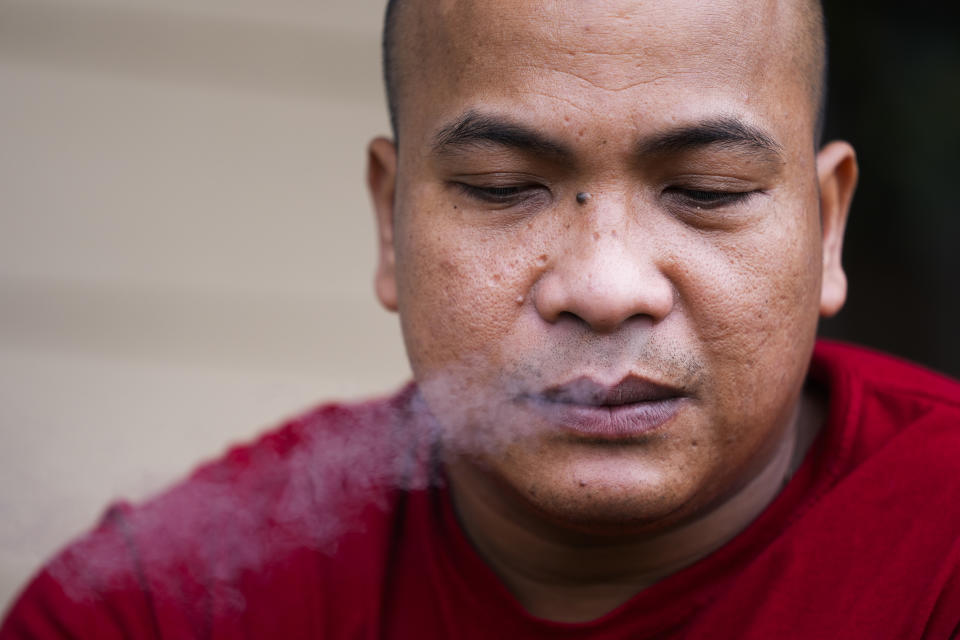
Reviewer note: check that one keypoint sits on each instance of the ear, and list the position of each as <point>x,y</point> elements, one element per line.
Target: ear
<point>837,174</point>
<point>382,182</point>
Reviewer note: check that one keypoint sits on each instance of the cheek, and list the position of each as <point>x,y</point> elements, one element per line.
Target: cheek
<point>460,294</point>
<point>753,301</point>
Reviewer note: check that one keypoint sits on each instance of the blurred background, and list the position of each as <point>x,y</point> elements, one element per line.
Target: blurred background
<point>895,94</point>
<point>186,245</point>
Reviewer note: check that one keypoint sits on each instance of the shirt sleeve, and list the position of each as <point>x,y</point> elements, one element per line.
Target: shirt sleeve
<point>92,589</point>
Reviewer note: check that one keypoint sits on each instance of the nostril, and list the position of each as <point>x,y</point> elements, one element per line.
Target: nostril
<point>570,317</point>
<point>591,324</point>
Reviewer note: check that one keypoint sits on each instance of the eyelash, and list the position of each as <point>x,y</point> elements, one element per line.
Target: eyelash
<point>706,199</point>
<point>695,198</point>
<point>508,194</point>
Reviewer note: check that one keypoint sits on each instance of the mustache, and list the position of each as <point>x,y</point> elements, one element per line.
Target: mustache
<point>582,372</point>
<point>610,372</point>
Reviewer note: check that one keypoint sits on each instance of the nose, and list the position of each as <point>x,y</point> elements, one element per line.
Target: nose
<point>606,275</point>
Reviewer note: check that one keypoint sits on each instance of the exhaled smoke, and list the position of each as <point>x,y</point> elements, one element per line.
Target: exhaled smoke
<point>310,484</point>
<point>484,404</point>
<point>303,487</point>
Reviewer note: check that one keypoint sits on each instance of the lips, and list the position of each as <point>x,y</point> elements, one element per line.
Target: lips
<point>628,409</point>
<point>630,390</point>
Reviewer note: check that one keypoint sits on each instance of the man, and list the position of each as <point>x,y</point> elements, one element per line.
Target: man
<point>609,235</point>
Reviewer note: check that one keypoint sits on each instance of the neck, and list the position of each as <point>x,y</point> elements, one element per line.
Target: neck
<point>574,577</point>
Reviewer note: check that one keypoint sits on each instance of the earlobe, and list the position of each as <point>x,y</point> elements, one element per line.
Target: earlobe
<point>382,183</point>
<point>837,174</point>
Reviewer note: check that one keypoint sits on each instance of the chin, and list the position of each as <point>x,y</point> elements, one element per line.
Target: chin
<point>605,496</point>
<point>610,515</point>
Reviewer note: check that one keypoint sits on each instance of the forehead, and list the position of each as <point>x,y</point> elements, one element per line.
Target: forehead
<point>581,35</point>
<point>661,59</point>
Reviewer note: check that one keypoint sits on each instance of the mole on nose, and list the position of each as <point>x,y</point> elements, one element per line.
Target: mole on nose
<point>583,197</point>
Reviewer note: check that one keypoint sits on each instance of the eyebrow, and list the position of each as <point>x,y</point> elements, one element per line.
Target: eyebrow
<point>474,129</point>
<point>725,132</point>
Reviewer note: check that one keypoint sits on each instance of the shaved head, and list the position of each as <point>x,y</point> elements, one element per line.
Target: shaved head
<point>408,32</point>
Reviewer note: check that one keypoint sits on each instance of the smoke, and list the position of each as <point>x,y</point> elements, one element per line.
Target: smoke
<point>327,475</point>
<point>481,401</point>
<point>303,486</point>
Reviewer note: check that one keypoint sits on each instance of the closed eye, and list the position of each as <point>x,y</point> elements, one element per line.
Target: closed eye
<point>705,199</point>
<point>500,194</point>
<point>492,194</point>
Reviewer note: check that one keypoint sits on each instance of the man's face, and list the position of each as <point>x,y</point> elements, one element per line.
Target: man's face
<point>633,355</point>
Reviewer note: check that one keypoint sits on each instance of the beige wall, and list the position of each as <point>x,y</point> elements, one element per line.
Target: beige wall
<point>186,246</point>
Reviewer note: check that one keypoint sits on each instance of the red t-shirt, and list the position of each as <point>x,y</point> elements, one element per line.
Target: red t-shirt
<point>334,526</point>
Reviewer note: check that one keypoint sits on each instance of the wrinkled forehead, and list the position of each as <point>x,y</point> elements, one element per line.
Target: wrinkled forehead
<point>471,47</point>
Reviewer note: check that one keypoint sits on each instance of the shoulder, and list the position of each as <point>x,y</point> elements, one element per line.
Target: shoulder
<point>891,446</point>
<point>876,398</point>
<point>300,481</point>
<point>241,532</point>
<point>884,374</point>
<point>875,541</point>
